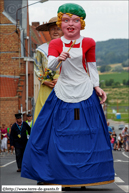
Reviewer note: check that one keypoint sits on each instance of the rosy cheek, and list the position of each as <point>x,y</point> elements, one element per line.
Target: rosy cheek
<point>63,25</point>
<point>78,25</point>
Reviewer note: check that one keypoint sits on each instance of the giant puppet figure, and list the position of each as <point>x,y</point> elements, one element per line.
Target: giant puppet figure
<point>46,77</point>
<point>69,143</point>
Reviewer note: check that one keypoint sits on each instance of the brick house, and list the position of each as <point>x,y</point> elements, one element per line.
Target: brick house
<point>17,80</point>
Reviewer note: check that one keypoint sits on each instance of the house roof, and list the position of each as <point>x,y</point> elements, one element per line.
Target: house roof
<point>8,86</point>
<point>47,36</point>
<point>39,37</point>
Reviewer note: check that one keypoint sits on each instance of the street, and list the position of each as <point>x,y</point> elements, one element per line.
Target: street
<point>9,176</point>
<point>115,124</point>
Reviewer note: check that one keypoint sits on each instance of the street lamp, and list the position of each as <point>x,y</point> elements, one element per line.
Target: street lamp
<point>17,23</point>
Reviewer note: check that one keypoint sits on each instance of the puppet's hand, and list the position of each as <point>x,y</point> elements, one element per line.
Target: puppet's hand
<point>101,94</point>
<point>63,56</point>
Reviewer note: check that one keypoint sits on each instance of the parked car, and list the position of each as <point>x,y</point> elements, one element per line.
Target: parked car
<point>120,127</point>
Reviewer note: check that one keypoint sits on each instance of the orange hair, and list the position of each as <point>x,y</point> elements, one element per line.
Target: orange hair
<point>59,20</point>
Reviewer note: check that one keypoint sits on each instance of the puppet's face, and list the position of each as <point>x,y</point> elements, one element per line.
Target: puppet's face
<point>71,26</point>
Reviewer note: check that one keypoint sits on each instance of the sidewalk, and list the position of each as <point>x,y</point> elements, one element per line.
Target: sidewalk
<point>116,122</point>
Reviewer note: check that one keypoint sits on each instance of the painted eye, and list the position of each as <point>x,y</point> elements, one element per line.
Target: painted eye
<point>66,20</point>
<point>76,20</point>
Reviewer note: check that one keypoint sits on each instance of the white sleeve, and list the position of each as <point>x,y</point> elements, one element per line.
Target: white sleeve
<point>53,62</point>
<point>93,72</point>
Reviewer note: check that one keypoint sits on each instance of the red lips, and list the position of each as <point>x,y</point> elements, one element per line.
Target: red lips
<point>70,29</point>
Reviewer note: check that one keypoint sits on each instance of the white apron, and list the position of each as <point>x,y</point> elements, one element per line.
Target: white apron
<point>74,84</point>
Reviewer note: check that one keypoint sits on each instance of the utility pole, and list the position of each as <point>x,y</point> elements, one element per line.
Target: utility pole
<point>117,106</point>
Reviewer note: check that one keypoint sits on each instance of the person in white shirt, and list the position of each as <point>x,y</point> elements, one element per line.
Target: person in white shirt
<point>119,141</point>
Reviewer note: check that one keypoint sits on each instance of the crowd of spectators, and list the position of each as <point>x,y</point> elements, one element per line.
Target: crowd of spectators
<point>5,146</point>
<point>117,142</point>
<point>120,142</point>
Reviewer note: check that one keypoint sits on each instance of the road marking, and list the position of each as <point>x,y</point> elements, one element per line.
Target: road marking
<point>125,154</point>
<point>118,160</point>
<point>125,188</point>
<point>117,179</point>
<point>7,164</point>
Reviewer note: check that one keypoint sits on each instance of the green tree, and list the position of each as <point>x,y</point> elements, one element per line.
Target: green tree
<point>117,84</point>
<point>124,82</point>
<point>127,83</point>
<point>117,69</point>
<point>125,63</point>
<point>112,51</point>
<point>102,68</point>
<point>106,82</point>
<point>111,81</point>
<point>105,68</point>
<point>108,68</point>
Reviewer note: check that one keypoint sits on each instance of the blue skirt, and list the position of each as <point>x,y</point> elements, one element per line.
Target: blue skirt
<point>62,150</point>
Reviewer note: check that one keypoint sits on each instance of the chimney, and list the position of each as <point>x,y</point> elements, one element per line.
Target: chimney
<point>35,24</point>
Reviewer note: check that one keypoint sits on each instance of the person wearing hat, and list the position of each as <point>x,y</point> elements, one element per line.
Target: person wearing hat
<point>18,138</point>
<point>46,77</point>
<point>70,143</point>
<point>29,120</point>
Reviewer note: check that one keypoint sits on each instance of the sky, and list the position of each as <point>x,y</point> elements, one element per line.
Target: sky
<point>104,19</point>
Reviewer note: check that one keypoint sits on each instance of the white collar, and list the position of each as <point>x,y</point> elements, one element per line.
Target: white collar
<point>68,41</point>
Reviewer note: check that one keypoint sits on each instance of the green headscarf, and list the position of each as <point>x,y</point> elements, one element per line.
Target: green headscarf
<point>73,9</point>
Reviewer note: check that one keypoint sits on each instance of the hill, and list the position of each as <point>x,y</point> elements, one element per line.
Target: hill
<point>112,51</point>
<point>117,77</point>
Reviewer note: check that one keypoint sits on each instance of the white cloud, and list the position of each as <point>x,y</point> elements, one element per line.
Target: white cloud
<point>105,19</point>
